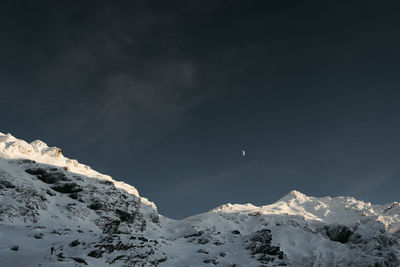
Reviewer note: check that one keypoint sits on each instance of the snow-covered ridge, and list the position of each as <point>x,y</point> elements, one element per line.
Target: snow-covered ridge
<point>38,151</point>
<point>48,200</point>
<point>343,209</point>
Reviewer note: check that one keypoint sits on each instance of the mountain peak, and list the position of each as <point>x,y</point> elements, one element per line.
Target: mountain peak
<point>48,200</point>
<point>294,195</point>
<point>38,151</point>
<point>12,147</point>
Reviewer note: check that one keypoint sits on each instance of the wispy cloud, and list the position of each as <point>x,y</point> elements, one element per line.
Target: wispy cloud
<point>106,77</point>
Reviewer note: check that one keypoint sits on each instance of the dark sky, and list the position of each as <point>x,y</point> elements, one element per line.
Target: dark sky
<point>164,95</point>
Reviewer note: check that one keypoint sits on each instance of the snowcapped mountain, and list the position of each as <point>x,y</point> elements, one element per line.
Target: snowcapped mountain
<point>48,200</point>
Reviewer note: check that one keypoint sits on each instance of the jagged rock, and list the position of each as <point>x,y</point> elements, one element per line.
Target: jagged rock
<point>338,233</point>
<point>125,216</point>
<point>254,213</point>
<point>155,218</point>
<point>142,238</point>
<point>122,246</point>
<point>49,176</point>
<point>106,182</point>
<point>261,244</point>
<point>204,240</point>
<point>213,261</point>
<point>235,232</point>
<point>79,260</point>
<point>203,251</point>
<point>199,233</point>
<point>38,236</point>
<point>96,254</point>
<point>120,257</point>
<point>50,193</point>
<point>218,243</point>
<point>96,206</point>
<point>15,248</point>
<point>25,161</point>
<point>6,184</point>
<point>156,262</point>
<point>111,227</point>
<point>73,195</point>
<point>67,188</point>
<point>60,256</point>
<point>74,243</point>
<point>109,248</point>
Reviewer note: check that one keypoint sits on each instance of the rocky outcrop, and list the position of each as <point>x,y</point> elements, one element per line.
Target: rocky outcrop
<point>338,233</point>
<point>260,246</point>
<point>67,188</point>
<point>48,175</point>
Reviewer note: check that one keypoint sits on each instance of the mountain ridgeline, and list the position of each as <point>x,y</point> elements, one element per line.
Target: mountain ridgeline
<point>49,201</point>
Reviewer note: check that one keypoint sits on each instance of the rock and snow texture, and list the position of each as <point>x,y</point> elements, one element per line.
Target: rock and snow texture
<point>48,200</point>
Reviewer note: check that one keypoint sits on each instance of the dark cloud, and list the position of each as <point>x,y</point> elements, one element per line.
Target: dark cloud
<point>112,70</point>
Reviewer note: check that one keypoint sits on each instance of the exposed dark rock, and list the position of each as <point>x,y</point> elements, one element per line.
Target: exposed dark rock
<point>55,232</point>
<point>78,178</point>
<point>391,260</point>
<point>67,188</point>
<point>254,213</point>
<point>203,251</point>
<point>96,206</point>
<point>50,193</point>
<point>154,218</point>
<point>120,257</point>
<point>264,258</point>
<point>222,254</point>
<point>156,262</point>
<point>235,232</point>
<point>261,246</point>
<point>73,195</point>
<point>218,243</point>
<point>79,260</point>
<point>199,233</point>
<point>108,248</point>
<point>125,216</point>
<point>139,256</point>
<point>75,243</point>
<point>25,161</point>
<point>142,238</point>
<point>111,227</point>
<point>338,233</point>
<point>204,240</point>
<point>95,254</point>
<point>213,261</point>
<point>60,255</point>
<point>6,184</point>
<point>49,176</point>
<point>38,236</point>
<point>106,182</point>
<point>122,246</point>
<point>15,248</point>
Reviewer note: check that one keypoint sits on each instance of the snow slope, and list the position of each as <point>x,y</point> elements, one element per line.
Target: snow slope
<point>48,200</point>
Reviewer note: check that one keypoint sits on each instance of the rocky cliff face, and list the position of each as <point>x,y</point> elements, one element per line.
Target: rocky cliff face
<point>48,200</point>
